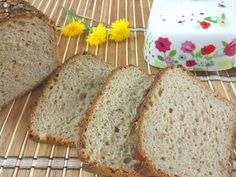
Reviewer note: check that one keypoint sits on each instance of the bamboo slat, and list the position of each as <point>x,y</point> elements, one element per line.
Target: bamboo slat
<point>19,155</point>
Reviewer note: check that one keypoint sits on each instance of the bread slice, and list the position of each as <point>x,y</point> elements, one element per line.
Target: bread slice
<point>28,49</point>
<point>184,129</point>
<point>64,100</point>
<point>105,144</point>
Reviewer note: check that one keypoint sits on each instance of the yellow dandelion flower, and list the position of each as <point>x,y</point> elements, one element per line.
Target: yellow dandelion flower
<point>119,30</point>
<point>73,29</point>
<point>97,36</point>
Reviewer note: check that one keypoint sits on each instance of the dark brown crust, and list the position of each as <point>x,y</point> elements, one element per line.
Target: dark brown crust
<point>139,151</point>
<point>49,138</point>
<point>10,8</point>
<point>84,157</point>
<point>26,11</point>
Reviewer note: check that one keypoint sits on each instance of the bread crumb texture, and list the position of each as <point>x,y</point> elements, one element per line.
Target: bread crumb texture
<point>64,102</point>
<point>187,130</point>
<point>27,49</point>
<point>107,137</point>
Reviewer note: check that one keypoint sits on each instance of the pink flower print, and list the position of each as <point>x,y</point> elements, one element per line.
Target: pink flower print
<point>163,44</point>
<point>188,47</point>
<point>230,49</point>
<point>169,60</point>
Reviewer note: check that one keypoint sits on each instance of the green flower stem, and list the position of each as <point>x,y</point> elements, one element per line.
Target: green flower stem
<point>88,27</point>
<point>108,26</point>
<point>192,54</point>
<point>91,19</point>
<point>165,55</point>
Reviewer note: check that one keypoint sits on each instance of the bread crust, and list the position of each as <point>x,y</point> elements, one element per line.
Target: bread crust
<point>26,11</point>
<point>84,157</point>
<point>139,153</point>
<point>49,138</point>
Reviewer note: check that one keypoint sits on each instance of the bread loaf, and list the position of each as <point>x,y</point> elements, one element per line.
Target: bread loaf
<point>27,48</point>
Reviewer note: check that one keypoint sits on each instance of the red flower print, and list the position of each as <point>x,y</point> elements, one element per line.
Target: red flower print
<point>205,24</point>
<point>206,50</point>
<point>163,44</point>
<point>230,49</point>
<point>191,63</point>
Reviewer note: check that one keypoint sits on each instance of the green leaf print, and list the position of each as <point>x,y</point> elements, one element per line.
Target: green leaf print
<point>197,69</point>
<point>160,57</point>
<point>223,16</point>
<point>172,53</point>
<point>209,19</point>
<point>225,64</point>
<point>182,57</point>
<point>160,64</point>
<point>224,43</point>
<point>210,63</point>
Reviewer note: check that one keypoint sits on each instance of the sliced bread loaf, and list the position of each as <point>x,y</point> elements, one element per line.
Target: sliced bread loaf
<point>105,144</point>
<point>27,48</point>
<point>184,129</point>
<point>64,101</point>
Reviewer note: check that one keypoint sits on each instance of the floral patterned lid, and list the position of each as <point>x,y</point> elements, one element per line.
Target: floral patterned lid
<point>198,34</point>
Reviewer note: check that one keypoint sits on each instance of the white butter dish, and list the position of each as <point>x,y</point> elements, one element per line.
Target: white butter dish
<point>198,34</point>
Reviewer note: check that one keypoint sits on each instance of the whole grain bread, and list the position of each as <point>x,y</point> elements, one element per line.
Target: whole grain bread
<point>65,98</point>
<point>105,143</point>
<point>28,49</point>
<point>184,129</point>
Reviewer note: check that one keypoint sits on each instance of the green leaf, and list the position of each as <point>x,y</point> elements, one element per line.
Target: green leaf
<point>224,43</point>
<point>208,57</point>
<point>197,69</point>
<point>71,15</point>
<point>68,13</point>
<point>198,54</point>
<point>209,19</point>
<point>160,64</point>
<point>225,64</point>
<point>176,62</point>
<point>160,57</point>
<point>172,53</point>
<point>211,63</point>
<point>223,16</point>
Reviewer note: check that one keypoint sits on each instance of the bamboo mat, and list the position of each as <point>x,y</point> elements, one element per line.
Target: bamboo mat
<point>19,155</point>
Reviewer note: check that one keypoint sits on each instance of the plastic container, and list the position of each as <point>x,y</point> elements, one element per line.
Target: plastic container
<point>198,34</point>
